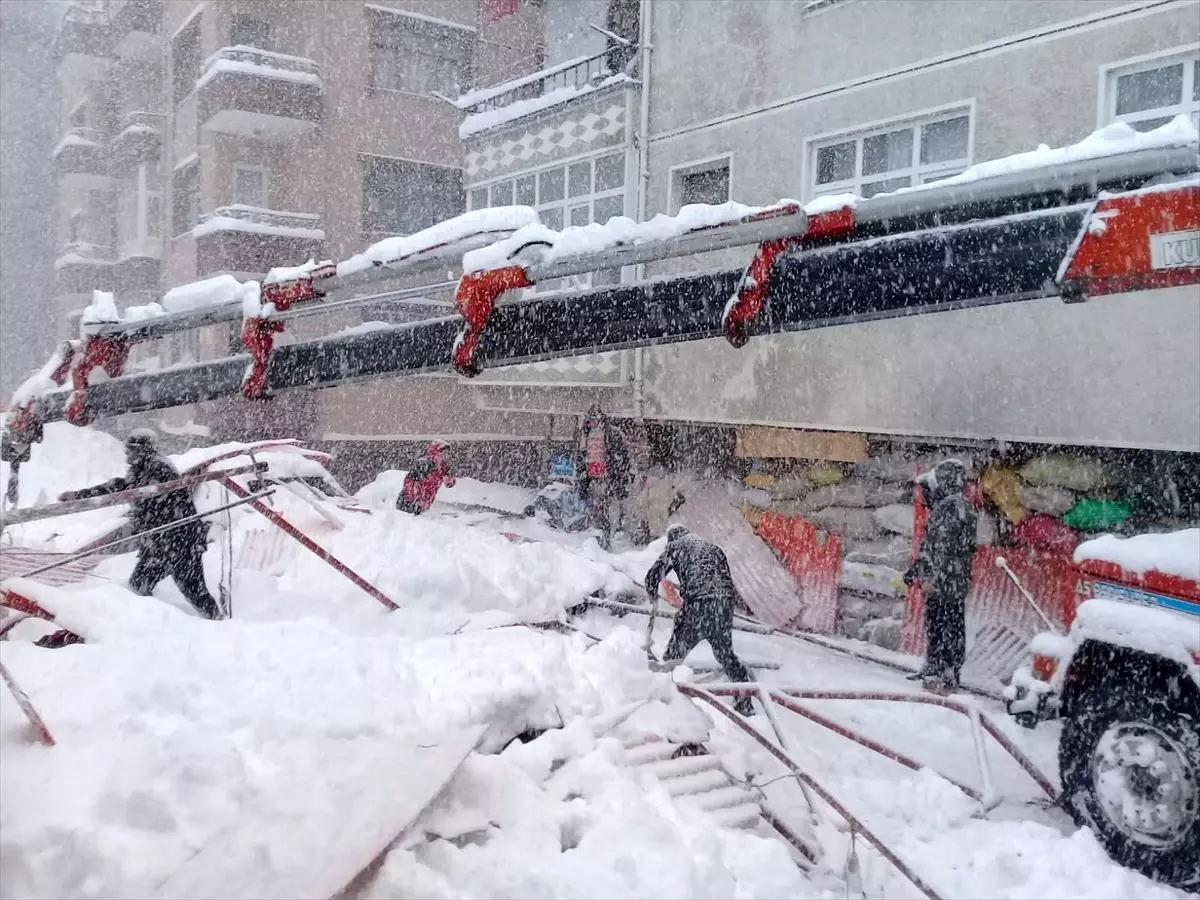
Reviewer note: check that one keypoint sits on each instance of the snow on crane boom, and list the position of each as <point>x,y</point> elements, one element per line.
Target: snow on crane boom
<point>1120,211</point>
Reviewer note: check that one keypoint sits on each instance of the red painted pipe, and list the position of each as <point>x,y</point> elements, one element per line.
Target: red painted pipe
<point>928,700</point>
<point>894,755</point>
<point>308,543</point>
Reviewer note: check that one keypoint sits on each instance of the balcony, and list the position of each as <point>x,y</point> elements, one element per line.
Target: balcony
<point>138,268</point>
<point>134,25</point>
<point>250,239</point>
<point>139,140</point>
<point>82,156</point>
<point>83,267</point>
<point>83,44</point>
<point>498,105</point>
<point>260,94</point>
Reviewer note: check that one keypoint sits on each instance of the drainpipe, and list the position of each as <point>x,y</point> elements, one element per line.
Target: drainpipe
<point>643,179</point>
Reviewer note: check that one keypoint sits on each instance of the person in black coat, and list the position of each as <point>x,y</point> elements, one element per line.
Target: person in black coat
<point>943,570</point>
<point>709,596</point>
<point>178,552</point>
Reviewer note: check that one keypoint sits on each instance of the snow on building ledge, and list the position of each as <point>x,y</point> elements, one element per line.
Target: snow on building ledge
<point>80,137</point>
<point>509,101</point>
<point>257,220</point>
<point>264,63</point>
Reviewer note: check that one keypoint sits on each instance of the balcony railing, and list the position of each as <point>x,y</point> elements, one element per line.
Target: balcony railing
<point>81,136</point>
<point>140,119</point>
<point>575,74</point>
<point>84,253</point>
<point>266,63</point>
<point>259,220</point>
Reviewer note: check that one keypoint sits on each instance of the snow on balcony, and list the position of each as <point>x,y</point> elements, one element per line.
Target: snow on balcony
<point>82,253</point>
<point>503,103</point>
<point>264,63</point>
<point>257,220</point>
<point>80,137</point>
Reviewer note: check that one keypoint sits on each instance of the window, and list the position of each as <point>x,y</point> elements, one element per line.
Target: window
<point>1152,93</point>
<point>590,190</point>
<point>702,183</point>
<point>896,157</point>
<point>250,32</point>
<point>185,59</point>
<point>185,200</point>
<point>416,56</point>
<point>578,193</point>
<point>250,186</point>
<point>401,197</point>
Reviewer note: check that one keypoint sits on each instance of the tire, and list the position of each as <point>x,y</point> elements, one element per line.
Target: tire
<point>1097,772</point>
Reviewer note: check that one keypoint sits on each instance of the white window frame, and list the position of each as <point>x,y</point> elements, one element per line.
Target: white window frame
<point>1106,107</point>
<point>567,203</point>
<point>918,173</point>
<point>266,184</point>
<point>140,240</point>
<point>695,167</point>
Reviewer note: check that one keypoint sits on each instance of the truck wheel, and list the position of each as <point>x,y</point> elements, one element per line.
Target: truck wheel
<point>1130,769</point>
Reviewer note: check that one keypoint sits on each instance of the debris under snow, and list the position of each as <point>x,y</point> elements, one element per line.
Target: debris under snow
<point>1176,553</point>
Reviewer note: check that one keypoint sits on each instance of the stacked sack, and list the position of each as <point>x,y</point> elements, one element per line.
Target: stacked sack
<point>869,506</point>
<point>1049,500</point>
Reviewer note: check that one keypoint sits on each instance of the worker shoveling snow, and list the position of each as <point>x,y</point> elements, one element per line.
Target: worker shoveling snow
<point>180,739</point>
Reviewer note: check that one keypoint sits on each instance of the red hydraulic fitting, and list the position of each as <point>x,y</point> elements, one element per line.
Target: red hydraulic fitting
<point>283,294</point>
<point>100,351</point>
<point>475,300</point>
<point>258,336</point>
<point>744,306</point>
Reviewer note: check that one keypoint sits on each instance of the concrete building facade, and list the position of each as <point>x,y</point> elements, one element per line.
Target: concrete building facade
<point>232,135</point>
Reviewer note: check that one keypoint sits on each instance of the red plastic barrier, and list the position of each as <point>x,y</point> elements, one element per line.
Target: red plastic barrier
<point>814,559</point>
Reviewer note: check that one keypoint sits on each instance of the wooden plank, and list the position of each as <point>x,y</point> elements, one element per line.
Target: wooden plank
<point>328,821</point>
<point>761,442</point>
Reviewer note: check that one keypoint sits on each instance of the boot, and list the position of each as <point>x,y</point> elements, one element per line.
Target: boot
<point>744,706</point>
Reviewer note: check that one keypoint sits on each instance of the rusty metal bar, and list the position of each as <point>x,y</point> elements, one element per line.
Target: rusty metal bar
<point>811,782</point>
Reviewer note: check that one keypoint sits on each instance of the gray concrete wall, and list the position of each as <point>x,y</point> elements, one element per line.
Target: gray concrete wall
<point>1038,91</point>
<point>1118,371</point>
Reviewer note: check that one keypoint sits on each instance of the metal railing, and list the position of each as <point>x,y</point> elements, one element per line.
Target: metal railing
<point>142,118</point>
<point>267,59</point>
<point>91,135</point>
<point>87,251</point>
<point>589,70</point>
<point>262,216</point>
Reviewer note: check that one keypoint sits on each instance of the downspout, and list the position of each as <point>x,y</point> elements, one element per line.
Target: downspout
<point>643,180</point>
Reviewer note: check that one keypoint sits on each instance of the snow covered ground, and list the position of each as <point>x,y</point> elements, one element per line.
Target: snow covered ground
<point>169,728</point>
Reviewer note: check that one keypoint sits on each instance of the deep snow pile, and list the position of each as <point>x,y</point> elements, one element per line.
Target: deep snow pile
<point>168,727</point>
<point>1177,553</point>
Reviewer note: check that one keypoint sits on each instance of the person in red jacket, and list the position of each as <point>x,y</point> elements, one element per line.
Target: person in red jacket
<point>423,480</point>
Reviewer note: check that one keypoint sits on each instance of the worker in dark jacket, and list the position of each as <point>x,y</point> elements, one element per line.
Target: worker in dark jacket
<point>604,469</point>
<point>709,596</point>
<point>943,569</point>
<point>177,552</point>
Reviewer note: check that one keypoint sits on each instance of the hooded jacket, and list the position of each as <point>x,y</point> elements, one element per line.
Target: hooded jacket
<point>944,563</point>
<point>145,513</point>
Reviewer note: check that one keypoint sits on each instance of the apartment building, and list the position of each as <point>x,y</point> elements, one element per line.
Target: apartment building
<point>230,136</point>
<point>754,100</point>
<point>226,136</point>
